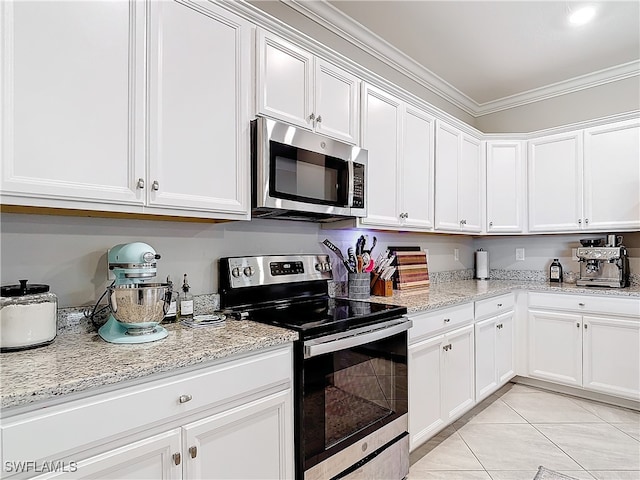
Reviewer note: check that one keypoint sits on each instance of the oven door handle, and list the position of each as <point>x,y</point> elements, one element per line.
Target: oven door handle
<point>313,348</point>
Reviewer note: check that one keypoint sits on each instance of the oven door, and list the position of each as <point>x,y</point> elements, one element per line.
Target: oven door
<point>301,171</point>
<point>354,397</point>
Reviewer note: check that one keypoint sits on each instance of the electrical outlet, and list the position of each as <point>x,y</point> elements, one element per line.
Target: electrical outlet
<point>519,254</point>
<point>456,254</point>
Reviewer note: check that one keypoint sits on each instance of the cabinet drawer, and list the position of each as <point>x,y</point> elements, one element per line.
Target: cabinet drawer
<point>494,306</point>
<point>114,413</point>
<point>426,324</point>
<point>586,303</point>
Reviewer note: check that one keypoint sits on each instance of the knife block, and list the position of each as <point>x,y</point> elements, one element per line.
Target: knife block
<point>382,288</point>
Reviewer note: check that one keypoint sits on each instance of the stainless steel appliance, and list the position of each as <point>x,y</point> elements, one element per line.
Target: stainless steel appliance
<point>350,365</point>
<point>298,174</point>
<point>603,266</point>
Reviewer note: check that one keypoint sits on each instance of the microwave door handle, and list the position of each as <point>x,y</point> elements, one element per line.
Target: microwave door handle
<point>313,348</point>
<point>350,169</point>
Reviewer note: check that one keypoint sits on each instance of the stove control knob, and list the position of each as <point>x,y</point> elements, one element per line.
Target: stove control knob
<point>248,271</point>
<point>319,266</point>
<point>235,272</point>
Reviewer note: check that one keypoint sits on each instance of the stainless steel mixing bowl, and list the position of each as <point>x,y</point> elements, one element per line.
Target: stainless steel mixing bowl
<point>140,306</point>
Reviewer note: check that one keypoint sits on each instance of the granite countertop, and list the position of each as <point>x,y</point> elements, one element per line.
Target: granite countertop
<point>77,362</point>
<point>440,295</point>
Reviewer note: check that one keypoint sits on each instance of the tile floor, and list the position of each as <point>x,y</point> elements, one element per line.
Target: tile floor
<point>511,433</point>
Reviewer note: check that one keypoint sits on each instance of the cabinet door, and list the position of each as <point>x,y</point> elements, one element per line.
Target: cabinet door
<point>251,441</point>
<point>612,176</point>
<point>284,80</point>
<point>417,190</point>
<point>446,177</point>
<point>611,356</point>
<point>457,373</point>
<point>152,458</point>
<point>337,106</point>
<point>505,187</point>
<point>381,137</point>
<point>486,349</point>
<point>470,184</point>
<point>425,392</point>
<point>199,79</point>
<point>555,183</point>
<point>72,102</point>
<point>505,341</point>
<point>555,347</point>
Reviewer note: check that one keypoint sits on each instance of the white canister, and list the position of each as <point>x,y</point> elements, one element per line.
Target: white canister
<point>28,316</point>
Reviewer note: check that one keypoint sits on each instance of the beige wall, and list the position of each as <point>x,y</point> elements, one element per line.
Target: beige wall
<point>597,102</point>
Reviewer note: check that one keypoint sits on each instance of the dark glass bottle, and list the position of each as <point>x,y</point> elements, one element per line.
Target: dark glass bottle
<point>555,271</point>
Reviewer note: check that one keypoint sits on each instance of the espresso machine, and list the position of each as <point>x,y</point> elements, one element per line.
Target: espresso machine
<point>137,307</point>
<point>604,262</point>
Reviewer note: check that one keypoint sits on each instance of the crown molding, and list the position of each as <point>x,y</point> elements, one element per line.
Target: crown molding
<point>334,20</point>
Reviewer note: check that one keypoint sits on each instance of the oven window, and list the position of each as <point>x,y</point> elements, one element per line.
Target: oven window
<point>297,174</point>
<point>350,393</point>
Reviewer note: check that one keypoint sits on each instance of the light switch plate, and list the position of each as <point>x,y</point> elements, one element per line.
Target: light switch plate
<point>520,254</point>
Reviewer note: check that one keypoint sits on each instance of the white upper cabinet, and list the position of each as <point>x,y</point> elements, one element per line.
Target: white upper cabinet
<point>296,87</point>
<point>458,180</point>
<point>586,180</point>
<point>199,76</point>
<point>72,101</point>
<point>381,136</point>
<point>416,190</point>
<point>130,107</point>
<point>399,139</point>
<point>555,182</point>
<point>505,187</point>
<point>612,176</point>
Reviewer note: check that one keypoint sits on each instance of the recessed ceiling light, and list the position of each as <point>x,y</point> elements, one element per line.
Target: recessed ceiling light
<point>582,15</point>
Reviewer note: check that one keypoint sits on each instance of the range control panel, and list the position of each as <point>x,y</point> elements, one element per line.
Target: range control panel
<point>269,270</point>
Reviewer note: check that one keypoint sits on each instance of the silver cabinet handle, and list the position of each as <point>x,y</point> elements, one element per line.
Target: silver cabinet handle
<point>586,220</point>
<point>499,326</point>
<point>586,326</point>
<point>193,451</point>
<point>319,119</point>
<point>185,398</point>
<point>446,348</point>
<point>155,185</point>
<point>176,458</point>
<point>499,305</point>
<point>447,320</point>
<point>312,117</point>
<point>579,221</point>
<point>491,224</point>
<point>141,183</point>
<point>578,325</point>
<point>581,304</point>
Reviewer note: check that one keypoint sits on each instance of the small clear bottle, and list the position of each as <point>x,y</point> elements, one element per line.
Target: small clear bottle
<point>172,312</point>
<point>185,307</point>
<point>555,271</point>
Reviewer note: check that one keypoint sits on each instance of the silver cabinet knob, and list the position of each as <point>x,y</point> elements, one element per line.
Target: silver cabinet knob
<point>491,224</point>
<point>193,451</point>
<point>581,304</point>
<point>579,221</point>
<point>185,398</point>
<point>176,458</point>
<point>499,305</point>
<point>447,320</point>
<point>319,119</point>
<point>312,117</point>
<point>586,221</point>
<point>155,185</point>
<point>140,183</point>
<point>578,325</point>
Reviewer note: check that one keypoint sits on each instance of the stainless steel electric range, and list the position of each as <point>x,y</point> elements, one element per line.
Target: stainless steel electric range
<point>350,365</point>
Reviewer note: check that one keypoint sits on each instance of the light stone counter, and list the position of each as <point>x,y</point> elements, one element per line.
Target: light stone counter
<point>78,362</point>
<point>440,295</point>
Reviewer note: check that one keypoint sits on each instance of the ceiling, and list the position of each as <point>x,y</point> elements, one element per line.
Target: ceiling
<point>486,56</point>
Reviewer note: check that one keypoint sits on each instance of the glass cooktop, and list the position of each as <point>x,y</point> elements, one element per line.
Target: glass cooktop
<point>321,316</point>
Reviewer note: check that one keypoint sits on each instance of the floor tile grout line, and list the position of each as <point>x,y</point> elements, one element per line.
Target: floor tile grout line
<point>558,446</point>
<point>615,425</point>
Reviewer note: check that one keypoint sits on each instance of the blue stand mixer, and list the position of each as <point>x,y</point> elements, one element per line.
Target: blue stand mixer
<point>137,308</point>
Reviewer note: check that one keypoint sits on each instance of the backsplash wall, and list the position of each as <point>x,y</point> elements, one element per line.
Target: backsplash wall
<point>69,253</point>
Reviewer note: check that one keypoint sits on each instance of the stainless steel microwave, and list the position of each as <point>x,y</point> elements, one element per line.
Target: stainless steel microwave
<point>298,174</point>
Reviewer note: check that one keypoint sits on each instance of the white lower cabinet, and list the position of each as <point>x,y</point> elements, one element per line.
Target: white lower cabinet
<point>202,424</point>
<point>441,376</point>
<point>594,347</point>
<point>494,353</point>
